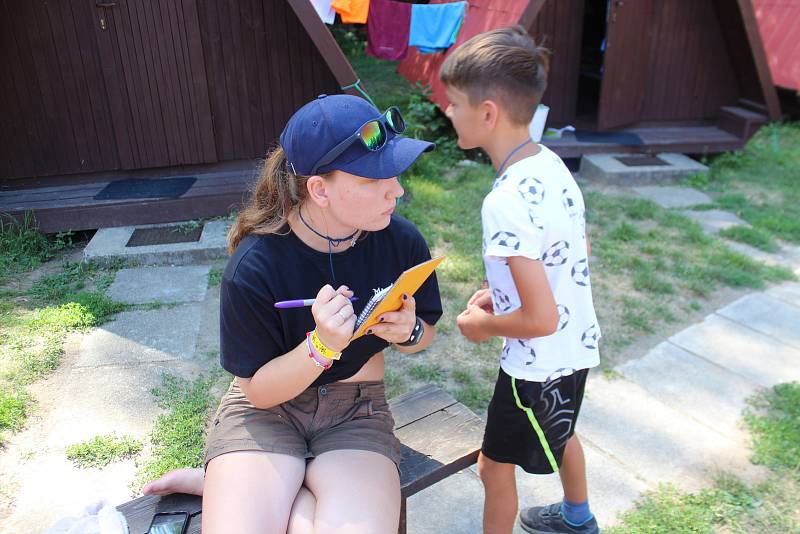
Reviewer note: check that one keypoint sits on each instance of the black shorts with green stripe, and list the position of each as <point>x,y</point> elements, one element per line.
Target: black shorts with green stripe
<point>529,423</point>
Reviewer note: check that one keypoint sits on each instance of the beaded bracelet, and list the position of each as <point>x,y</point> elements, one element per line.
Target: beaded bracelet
<point>319,361</point>
<point>323,350</point>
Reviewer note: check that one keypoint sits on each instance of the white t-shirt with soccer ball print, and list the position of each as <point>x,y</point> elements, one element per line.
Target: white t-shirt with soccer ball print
<point>536,210</point>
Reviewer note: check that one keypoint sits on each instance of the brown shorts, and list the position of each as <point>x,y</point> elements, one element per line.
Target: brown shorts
<point>349,415</point>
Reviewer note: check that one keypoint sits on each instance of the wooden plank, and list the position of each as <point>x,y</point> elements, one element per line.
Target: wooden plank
<point>139,512</point>
<point>414,405</point>
<point>185,95</point>
<point>325,42</point>
<point>179,137</point>
<point>439,445</point>
<point>268,80</point>
<point>760,58</point>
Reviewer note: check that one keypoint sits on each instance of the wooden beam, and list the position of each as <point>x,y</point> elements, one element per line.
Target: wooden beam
<point>326,44</point>
<point>760,59</point>
<point>528,16</point>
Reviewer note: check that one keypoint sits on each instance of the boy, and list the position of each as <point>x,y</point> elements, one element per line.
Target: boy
<point>538,299</point>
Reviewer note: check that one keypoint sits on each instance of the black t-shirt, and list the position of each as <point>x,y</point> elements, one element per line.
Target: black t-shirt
<point>268,268</point>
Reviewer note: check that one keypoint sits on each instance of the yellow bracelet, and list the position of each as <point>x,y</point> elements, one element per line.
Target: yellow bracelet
<point>320,347</point>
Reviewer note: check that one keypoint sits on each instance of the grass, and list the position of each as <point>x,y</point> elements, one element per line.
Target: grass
<point>773,418</point>
<point>730,505</point>
<point>102,450</point>
<point>214,276</point>
<point>755,237</point>
<point>178,436</point>
<point>759,183</point>
<point>35,322</point>
<point>652,266</point>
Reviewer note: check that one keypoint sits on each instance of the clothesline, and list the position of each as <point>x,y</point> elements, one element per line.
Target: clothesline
<point>393,26</point>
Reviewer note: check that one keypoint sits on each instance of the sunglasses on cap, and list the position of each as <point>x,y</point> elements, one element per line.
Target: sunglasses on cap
<point>372,135</point>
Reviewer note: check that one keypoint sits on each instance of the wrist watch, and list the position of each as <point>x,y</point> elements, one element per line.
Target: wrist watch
<point>416,335</point>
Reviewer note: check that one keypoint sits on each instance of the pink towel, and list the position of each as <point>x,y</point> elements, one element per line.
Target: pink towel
<point>388,26</point>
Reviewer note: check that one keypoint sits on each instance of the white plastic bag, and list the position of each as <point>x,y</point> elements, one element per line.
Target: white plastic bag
<point>100,517</point>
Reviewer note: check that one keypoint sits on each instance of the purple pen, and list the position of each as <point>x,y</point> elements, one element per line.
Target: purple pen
<point>299,303</point>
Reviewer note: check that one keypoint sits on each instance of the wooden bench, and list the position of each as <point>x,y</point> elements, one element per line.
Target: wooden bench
<point>440,436</point>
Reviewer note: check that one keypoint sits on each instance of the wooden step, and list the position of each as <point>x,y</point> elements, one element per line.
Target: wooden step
<point>741,122</point>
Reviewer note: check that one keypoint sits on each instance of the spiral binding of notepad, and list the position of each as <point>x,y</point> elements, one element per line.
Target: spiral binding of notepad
<point>371,305</point>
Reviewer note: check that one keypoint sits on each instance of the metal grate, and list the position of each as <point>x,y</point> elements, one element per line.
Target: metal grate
<point>163,235</point>
<point>641,161</point>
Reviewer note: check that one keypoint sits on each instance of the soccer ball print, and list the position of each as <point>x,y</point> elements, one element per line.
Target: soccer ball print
<point>558,373</point>
<point>536,221</point>
<point>580,272</point>
<point>590,337</point>
<point>557,254</point>
<point>531,190</point>
<point>569,204</point>
<point>500,181</point>
<point>501,300</point>
<point>528,353</point>
<point>563,317</point>
<point>506,239</point>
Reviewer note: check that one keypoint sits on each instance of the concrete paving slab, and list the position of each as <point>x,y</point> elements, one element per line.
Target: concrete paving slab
<point>608,169</point>
<point>142,285</point>
<point>613,486</point>
<point>707,392</point>
<point>766,314</point>
<point>788,292</point>
<point>454,505</point>
<point>712,221</point>
<point>659,442</point>
<point>673,196</point>
<point>108,245</point>
<point>752,355</point>
<point>143,336</point>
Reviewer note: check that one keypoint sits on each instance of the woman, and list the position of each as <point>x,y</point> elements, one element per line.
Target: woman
<point>303,441</point>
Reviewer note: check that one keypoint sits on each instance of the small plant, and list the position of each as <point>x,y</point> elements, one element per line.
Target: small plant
<point>215,276</point>
<point>22,247</point>
<point>427,372</point>
<point>189,226</point>
<point>102,450</point>
<point>773,417</point>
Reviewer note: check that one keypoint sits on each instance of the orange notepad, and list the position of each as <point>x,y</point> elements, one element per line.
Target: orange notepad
<point>391,298</point>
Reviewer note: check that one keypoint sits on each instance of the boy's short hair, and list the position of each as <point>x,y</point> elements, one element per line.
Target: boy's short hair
<point>505,65</point>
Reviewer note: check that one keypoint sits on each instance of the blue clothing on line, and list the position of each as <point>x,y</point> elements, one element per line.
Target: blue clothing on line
<point>435,27</point>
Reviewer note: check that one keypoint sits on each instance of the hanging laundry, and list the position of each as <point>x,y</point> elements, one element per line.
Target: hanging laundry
<point>388,27</point>
<point>434,27</point>
<point>352,11</point>
<point>324,10</point>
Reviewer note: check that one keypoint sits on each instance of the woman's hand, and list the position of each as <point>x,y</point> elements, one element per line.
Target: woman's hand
<point>396,327</point>
<point>334,316</point>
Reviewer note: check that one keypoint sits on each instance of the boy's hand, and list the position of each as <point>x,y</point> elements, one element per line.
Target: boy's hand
<point>396,327</point>
<point>471,322</point>
<point>482,299</point>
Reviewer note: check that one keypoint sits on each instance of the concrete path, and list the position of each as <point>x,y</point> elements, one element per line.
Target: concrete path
<point>673,415</point>
<point>104,385</point>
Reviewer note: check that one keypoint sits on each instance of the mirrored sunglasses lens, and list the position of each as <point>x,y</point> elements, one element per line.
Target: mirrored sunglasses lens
<point>373,135</point>
<point>395,120</point>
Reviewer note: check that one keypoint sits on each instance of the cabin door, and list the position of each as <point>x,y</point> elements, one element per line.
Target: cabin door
<point>156,81</point>
<point>625,63</point>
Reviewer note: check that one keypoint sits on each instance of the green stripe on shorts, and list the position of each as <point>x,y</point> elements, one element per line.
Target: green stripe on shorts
<point>535,426</point>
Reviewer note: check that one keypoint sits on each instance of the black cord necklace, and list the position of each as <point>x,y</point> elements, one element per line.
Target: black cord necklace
<point>519,147</point>
<point>331,241</point>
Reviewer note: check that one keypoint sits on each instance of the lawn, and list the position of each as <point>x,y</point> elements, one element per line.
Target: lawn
<point>653,270</point>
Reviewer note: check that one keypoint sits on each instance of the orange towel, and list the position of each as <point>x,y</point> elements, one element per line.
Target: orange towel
<point>352,11</point>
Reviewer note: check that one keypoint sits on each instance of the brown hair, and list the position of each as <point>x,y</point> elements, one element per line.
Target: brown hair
<point>277,192</point>
<point>505,65</point>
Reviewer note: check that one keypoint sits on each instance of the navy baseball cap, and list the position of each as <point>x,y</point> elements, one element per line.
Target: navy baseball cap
<point>328,120</point>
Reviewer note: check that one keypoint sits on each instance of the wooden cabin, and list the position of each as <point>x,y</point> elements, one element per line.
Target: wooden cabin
<point>94,92</point>
<point>669,75</point>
